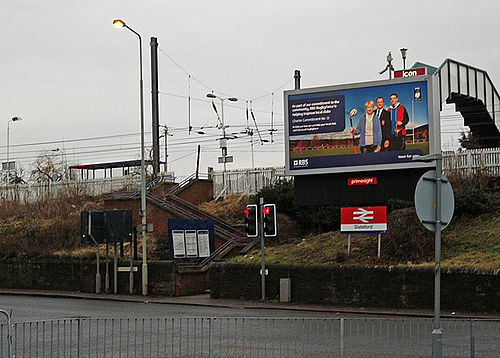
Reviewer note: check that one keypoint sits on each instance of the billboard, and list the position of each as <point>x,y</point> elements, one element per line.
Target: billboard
<point>360,127</point>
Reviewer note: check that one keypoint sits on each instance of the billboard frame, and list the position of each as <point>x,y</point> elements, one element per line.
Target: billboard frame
<point>433,111</point>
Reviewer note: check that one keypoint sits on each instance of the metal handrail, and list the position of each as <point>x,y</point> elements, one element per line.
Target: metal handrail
<point>200,213</point>
<point>9,334</point>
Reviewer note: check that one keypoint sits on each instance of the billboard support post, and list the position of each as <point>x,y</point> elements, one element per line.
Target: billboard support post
<point>296,76</point>
<point>262,250</point>
<point>348,244</point>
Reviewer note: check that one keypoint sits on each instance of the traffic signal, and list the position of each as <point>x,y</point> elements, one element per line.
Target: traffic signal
<point>251,220</point>
<point>269,211</point>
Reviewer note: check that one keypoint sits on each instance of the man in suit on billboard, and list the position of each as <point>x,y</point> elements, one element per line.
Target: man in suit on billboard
<point>386,124</point>
<point>399,118</point>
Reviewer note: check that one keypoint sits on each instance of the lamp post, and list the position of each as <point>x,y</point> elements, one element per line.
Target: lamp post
<point>13,119</point>
<point>403,55</point>
<point>223,143</point>
<point>118,24</point>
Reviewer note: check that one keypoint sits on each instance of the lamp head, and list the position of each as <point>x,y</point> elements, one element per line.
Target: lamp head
<point>118,24</point>
<point>403,52</point>
<point>211,95</point>
<point>14,119</point>
<point>232,99</point>
<point>389,57</point>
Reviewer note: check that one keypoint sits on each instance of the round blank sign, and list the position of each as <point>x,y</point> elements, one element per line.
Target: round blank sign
<point>425,201</point>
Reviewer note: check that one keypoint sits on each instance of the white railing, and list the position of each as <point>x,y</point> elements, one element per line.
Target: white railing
<point>467,162</point>
<point>247,181</point>
<point>37,191</point>
<point>473,161</point>
<point>243,181</point>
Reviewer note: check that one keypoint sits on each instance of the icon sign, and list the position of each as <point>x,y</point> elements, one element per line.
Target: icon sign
<point>371,219</point>
<point>412,72</point>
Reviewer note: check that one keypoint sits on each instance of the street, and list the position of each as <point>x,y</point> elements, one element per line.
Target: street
<point>60,327</point>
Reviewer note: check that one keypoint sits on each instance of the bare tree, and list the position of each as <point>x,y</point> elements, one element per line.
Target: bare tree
<point>48,167</point>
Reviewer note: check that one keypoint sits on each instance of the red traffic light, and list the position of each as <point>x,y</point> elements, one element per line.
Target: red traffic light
<point>266,211</point>
<point>246,211</point>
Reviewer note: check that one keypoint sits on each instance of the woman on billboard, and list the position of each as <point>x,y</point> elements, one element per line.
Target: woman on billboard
<point>369,129</point>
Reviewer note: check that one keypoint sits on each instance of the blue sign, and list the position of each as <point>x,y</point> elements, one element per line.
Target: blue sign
<point>313,114</point>
<point>191,238</point>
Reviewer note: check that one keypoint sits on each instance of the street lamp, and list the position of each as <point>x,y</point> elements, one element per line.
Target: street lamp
<point>118,24</point>
<point>13,119</point>
<point>223,140</point>
<point>403,55</point>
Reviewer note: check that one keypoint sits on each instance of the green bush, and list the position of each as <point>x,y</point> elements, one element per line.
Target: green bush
<point>282,194</point>
<point>317,219</point>
<point>406,238</point>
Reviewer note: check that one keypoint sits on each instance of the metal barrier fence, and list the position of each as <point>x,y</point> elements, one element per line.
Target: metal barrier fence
<point>248,337</point>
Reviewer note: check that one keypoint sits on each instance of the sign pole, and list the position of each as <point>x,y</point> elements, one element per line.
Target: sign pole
<point>98,272</point>
<point>262,250</point>
<point>131,273</point>
<point>437,332</point>
<point>378,245</point>
<point>348,244</point>
<point>106,276</point>
<point>115,268</point>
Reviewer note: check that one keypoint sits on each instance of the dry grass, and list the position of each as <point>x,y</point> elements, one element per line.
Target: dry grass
<point>45,227</point>
<point>467,243</point>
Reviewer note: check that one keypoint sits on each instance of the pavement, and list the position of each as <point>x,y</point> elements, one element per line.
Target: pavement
<point>204,300</point>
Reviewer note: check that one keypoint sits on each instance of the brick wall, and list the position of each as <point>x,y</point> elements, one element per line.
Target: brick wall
<point>386,287</point>
<point>67,274</point>
<point>197,192</point>
<point>191,283</point>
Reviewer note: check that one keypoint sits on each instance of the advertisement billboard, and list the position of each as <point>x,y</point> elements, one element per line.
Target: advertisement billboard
<point>360,127</point>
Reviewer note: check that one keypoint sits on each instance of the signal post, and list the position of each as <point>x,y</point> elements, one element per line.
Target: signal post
<point>265,215</point>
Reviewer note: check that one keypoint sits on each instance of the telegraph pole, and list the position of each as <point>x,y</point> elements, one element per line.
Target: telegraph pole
<point>155,106</point>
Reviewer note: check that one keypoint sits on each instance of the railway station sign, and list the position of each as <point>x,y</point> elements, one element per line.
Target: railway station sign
<point>359,220</point>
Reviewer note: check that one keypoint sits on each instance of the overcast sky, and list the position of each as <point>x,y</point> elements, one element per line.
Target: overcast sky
<point>70,75</point>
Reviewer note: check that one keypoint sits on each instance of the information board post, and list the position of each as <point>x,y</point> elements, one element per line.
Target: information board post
<point>131,273</point>
<point>115,269</point>
<point>106,276</point>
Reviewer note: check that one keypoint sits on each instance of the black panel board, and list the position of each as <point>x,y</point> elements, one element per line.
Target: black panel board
<point>107,226</point>
<point>332,189</point>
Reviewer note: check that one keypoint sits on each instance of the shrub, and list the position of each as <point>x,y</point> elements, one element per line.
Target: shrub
<point>406,238</point>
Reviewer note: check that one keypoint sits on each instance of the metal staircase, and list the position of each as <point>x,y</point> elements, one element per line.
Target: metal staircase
<point>172,203</point>
<point>475,97</point>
